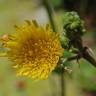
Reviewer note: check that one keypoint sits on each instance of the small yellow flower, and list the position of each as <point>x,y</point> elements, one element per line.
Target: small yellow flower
<point>34,50</point>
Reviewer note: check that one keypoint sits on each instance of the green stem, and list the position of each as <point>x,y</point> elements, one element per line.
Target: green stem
<point>50,13</point>
<point>62,84</point>
<point>51,18</point>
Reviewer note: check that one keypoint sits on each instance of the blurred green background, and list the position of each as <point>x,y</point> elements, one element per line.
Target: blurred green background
<point>82,81</point>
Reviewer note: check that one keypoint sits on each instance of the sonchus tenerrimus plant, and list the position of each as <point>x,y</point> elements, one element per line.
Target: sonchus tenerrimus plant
<point>36,56</point>
<point>73,31</point>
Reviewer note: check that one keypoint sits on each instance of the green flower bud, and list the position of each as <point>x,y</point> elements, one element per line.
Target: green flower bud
<point>73,24</point>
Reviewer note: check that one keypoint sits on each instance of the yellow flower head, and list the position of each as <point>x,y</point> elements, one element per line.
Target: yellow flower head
<point>34,50</point>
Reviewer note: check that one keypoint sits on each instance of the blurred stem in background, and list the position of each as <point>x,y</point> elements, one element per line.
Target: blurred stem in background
<point>49,9</point>
<point>53,24</point>
<point>62,84</point>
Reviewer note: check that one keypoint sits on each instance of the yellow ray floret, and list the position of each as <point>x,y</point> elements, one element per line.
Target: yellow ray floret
<point>34,50</point>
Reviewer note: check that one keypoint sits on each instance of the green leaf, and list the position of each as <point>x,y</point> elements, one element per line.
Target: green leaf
<point>67,54</point>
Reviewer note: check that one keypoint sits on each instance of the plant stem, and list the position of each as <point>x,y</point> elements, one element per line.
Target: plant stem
<point>89,58</point>
<point>49,9</point>
<point>51,18</point>
<point>84,55</point>
<point>62,84</point>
